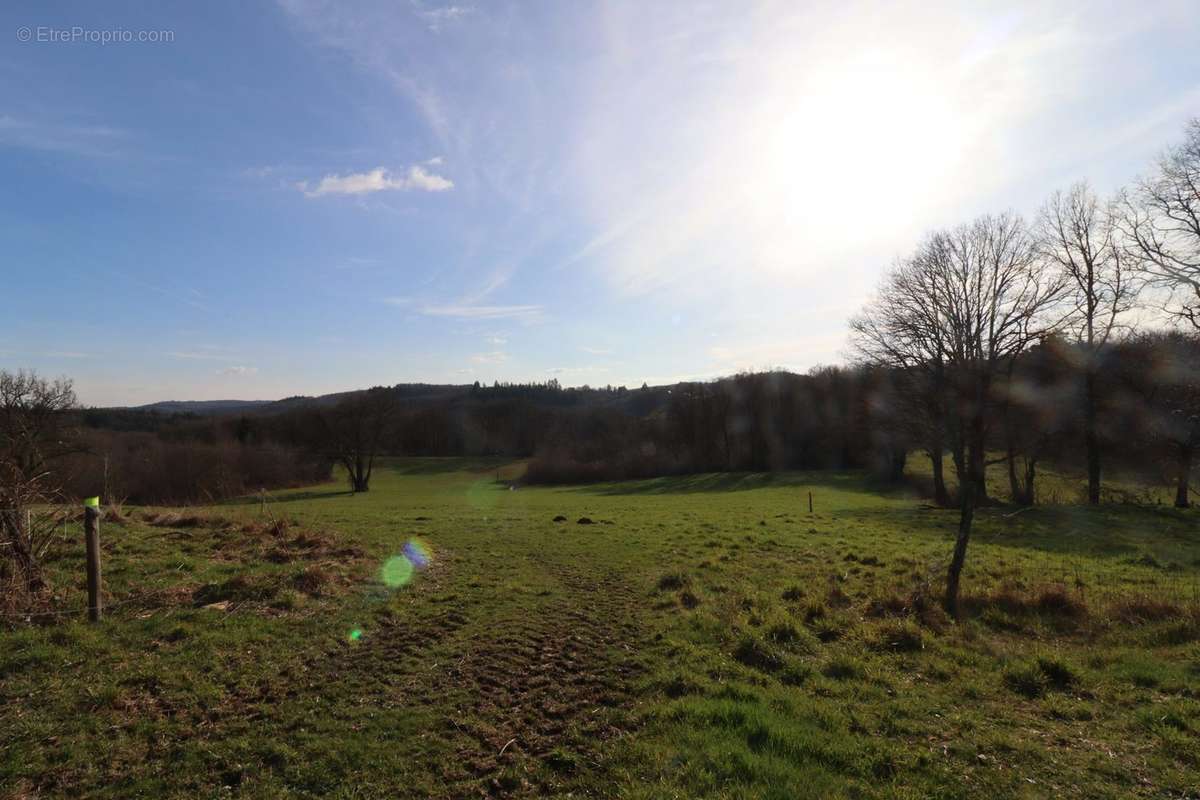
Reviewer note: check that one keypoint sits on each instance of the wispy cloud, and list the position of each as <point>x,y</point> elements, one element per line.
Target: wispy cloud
<point>238,371</point>
<point>576,370</point>
<point>494,357</point>
<point>465,311</point>
<point>66,354</point>
<point>86,141</point>
<point>437,17</point>
<point>417,178</point>
<point>597,351</point>
<point>199,355</point>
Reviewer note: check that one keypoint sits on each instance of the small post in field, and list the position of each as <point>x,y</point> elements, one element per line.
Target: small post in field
<point>810,502</point>
<point>91,532</point>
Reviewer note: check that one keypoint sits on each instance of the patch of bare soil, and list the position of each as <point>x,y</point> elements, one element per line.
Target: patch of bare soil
<point>530,707</point>
<point>546,695</point>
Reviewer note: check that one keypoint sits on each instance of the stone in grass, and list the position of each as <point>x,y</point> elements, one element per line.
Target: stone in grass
<point>585,521</point>
<point>560,518</point>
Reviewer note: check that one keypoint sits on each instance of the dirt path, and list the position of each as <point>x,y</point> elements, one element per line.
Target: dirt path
<point>528,705</point>
<point>546,694</point>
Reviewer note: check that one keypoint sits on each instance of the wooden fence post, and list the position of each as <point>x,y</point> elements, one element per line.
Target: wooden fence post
<point>810,502</point>
<point>91,532</point>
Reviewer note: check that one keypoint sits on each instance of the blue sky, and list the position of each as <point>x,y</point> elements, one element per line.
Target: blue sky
<point>306,197</point>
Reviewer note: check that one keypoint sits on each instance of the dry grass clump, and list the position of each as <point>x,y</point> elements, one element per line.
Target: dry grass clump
<point>918,604</point>
<point>672,581</point>
<point>175,519</point>
<point>19,602</point>
<point>1137,610</point>
<point>1054,601</point>
<point>898,636</point>
<point>115,514</point>
<point>315,581</point>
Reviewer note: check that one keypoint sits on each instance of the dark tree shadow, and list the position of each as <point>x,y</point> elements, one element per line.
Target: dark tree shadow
<point>288,496</point>
<point>729,482</point>
<point>419,465</point>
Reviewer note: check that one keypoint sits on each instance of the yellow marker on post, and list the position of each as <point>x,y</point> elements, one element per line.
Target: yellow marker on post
<point>91,533</point>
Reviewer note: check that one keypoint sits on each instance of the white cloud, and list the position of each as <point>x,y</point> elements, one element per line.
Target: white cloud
<point>494,357</point>
<point>496,340</point>
<point>597,351</point>
<point>378,180</point>
<point>239,371</point>
<point>483,312</point>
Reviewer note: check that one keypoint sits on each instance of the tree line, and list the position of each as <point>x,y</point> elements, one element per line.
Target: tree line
<point>958,317</point>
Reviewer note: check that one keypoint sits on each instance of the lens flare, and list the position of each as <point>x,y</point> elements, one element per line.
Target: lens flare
<point>355,635</point>
<point>396,572</point>
<point>418,552</point>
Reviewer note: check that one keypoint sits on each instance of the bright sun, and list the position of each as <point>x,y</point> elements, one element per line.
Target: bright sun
<point>874,136</point>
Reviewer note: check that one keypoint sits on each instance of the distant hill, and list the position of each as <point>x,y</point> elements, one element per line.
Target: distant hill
<point>203,407</point>
<point>152,416</point>
<point>410,392</point>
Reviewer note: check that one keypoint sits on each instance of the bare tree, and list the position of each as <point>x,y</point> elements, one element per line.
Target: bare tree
<point>1081,238</point>
<point>353,432</point>
<point>992,296</point>
<point>901,328</point>
<point>1161,221</point>
<point>34,431</point>
<point>1168,378</point>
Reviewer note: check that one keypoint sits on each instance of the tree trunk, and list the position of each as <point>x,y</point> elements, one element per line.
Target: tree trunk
<point>1091,441</point>
<point>960,461</point>
<point>966,517</point>
<point>1030,497</point>
<point>937,458</point>
<point>1014,485</point>
<point>970,494</point>
<point>1185,473</point>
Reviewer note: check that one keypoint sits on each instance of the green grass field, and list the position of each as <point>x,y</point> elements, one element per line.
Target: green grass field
<point>705,636</point>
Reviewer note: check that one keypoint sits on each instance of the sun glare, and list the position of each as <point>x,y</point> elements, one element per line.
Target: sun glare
<point>875,133</point>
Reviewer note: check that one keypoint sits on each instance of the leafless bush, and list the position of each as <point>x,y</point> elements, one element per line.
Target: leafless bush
<point>144,469</point>
<point>34,434</point>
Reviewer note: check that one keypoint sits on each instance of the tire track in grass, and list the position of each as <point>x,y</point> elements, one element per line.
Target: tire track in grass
<point>547,693</point>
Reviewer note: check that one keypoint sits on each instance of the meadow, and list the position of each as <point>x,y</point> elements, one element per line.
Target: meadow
<point>699,636</point>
